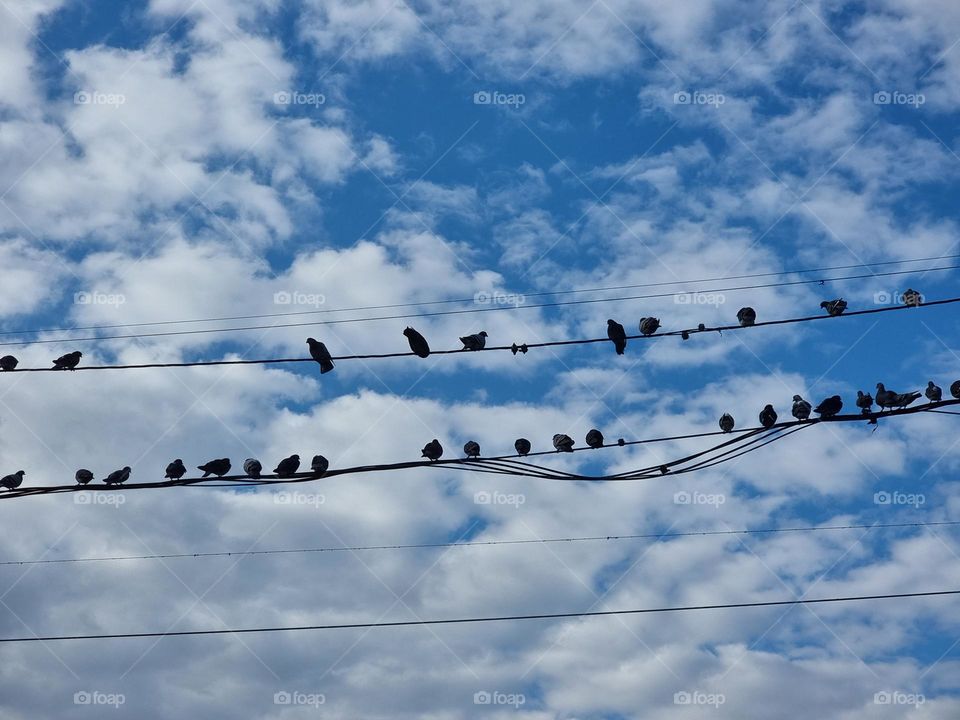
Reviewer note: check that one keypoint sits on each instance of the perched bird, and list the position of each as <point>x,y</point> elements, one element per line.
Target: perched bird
<point>834,307</point>
<point>471,449</point>
<point>726,422</point>
<point>11,482</point>
<point>768,416</point>
<point>911,298</point>
<point>933,393</point>
<point>118,476</point>
<point>8,363</point>
<point>319,352</point>
<point>563,443</point>
<point>955,389</point>
<point>418,343</point>
<point>432,450</point>
<point>176,470</point>
<point>288,466</point>
<point>829,407</point>
<point>253,468</point>
<point>83,476</point>
<point>522,446</point>
<point>595,438</point>
<point>649,325</point>
<point>864,402</point>
<point>890,399</point>
<point>617,335</point>
<point>801,408</point>
<point>319,465</point>
<point>68,361</point>
<point>519,348</point>
<point>746,316</point>
<point>215,467</point>
<point>474,342</point>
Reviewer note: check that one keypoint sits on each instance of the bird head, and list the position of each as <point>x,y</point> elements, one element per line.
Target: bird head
<point>929,383</point>
<point>407,331</point>
<point>483,332</point>
<point>20,473</point>
<point>126,468</point>
<point>78,353</point>
<point>611,322</point>
<point>880,387</point>
<point>294,457</point>
<point>797,398</point>
<point>310,341</point>
<point>825,304</point>
<point>768,407</point>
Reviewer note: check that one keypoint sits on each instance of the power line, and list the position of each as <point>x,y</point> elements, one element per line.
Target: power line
<point>500,618</point>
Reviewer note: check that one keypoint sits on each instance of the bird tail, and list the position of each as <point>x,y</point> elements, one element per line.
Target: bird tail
<point>326,366</point>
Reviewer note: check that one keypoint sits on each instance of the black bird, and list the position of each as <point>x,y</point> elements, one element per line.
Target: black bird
<point>617,335</point>
<point>83,476</point>
<point>911,298</point>
<point>801,408</point>
<point>746,316</point>
<point>834,307</point>
<point>768,416</point>
<point>288,466</point>
<point>12,482</point>
<point>118,476</point>
<point>934,394</point>
<point>829,407</point>
<point>471,449</point>
<point>215,467</point>
<point>68,361</point>
<point>595,438</point>
<point>726,422</point>
<point>649,325</point>
<point>864,402</point>
<point>474,342</point>
<point>176,470</point>
<point>418,343</point>
<point>522,446</point>
<point>319,352</point>
<point>563,443</point>
<point>253,468</point>
<point>890,399</point>
<point>8,363</point>
<point>955,389</point>
<point>319,465</point>
<point>432,450</point>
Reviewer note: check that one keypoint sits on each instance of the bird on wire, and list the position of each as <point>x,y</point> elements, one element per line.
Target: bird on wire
<point>649,325</point>
<point>252,467</point>
<point>175,470</point>
<point>288,466</point>
<point>933,392</point>
<point>83,476</point>
<point>768,416</point>
<point>218,467</point>
<point>595,438</point>
<point>911,298</point>
<point>418,343</point>
<point>563,443</point>
<point>617,335</point>
<point>888,399</point>
<point>829,407</point>
<point>12,482</point>
<point>726,422</point>
<point>8,363</point>
<point>834,308</point>
<point>476,341</point>
<point>471,449</point>
<point>864,402</point>
<point>746,316</point>
<point>118,476</point>
<point>319,352</point>
<point>522,446</point>
<point>68,361</point>
<point>801,408</point>
<point>319,465</point>
<point>433,450</point>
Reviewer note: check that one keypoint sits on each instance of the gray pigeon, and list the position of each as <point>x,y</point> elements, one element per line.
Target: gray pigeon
<point>934,394</point>
<point>118,476</point>
<point>801,408</point>
<point>563,443</point>
<point>432,450</point>
<point>617,335</point>
<point>471,449</point>
<point>911,298</point>
<point>595,438</point>
<point>418,343</point>
<point>8,363</point>
<point>890,399</point>
<point>864,402</point>
<point>215,467</point>
<point>746,316</point>
<point>12,482</point>
<point>288,466</point>
<point>253,468</point>
<point>522,446</point>
<point>649,325</point>
<point>68,361</point>
<point>768,416</point>
<point>319,352</point>
<point>834,307</point>
<point>829,407</point>
<point>319,465</point>
<point>83,476</point>
<point>474,342</point>
<point>176,470</point>
<point>726,422</point>
<point>955,389</point>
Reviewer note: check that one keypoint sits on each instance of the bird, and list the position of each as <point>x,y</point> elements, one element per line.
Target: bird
<point>864,402</point>
<point>12,482</point>
<point>726,422</point>
<point>768,416</point>
<point>432,450</point>
<point>474,342</point>
<point>890,399</point>
<point>595,438</point>
<point>934,394</point>
<point>522,446</point>
<point>418,343</point>
<point>563,443</point>
<point>617,335</point>
<point>471,449</point>
<point>68,361</point>
<point>288,466</point>
<point>253,468</point>
<point>118,476</point>
<point>829,407</point>
<point>83,476</point>
<point>955,389</point>
<point>8,363</point>
<point>649,325</point>
<point>801,408</point>
<point>319,465</point>
<point>834,307</point>
<point>215,467</point>
<point>746,316</point>
<point>911,298</point>
<point>319,352</point>
<point>176,470</point>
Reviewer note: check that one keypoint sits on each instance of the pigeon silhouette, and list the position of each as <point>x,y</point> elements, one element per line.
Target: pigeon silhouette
<point>12,482</point>
<point>726,422</point>
<point>617,335</point>
<point>746,316</point>
<point>8,363</point>
<point>595,438</point>
<point>911,298</point>
<point>934,394</point>
<point>474,342</point>
<point>522,446</point>
<point>649,325</point>
<point>471,449</point>
<point>834,307</point>
<point>319,465</point>
<point>83,476</point>
<point>801,408</point>
<point>176,470</point>
<point>890,399</point>
<point>68,361</point>
<point>118,476</point>
<point>319,352</point>
<point>432,450</point>
<point>768,416</point>
<point>418,343</point>
<point>955,389</point>
<point>864,402</point>
<point>563,443</point>
<point>288,466</point>
<point>253,468</point>
<point>215,467</point>
<point>829,407</point>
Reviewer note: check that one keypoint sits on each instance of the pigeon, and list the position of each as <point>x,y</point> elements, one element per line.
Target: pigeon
<point>617,335</point>
<point>253,468</point>
<point>471,449</point>
<point>287,466</point>
<point>890,399</point>
<point>319,465</point>
<point>955,389</point>
<point>829,407</point>
<point>176,470</point>
<point>726,422</point>
<point>432,450</point>
<point>595,438</point>
<point>11,482</point>
<point>8,363</point>
<point>83,476</point>
<point>522,446</point>
<point>864,402</point>
<point>319,352</point>
<point>563,443</point>
<point>68,361</point>
<point>768,416</point>
<point>118,476</point>
<point>418,343</point>
<point>801,408</point>
<point>746,316</point>
<point>934,394</point>
<point>834,307</point>
<point>911,298</point>
<point>215,467</point>
<point>649,325</point>
<point>474,342</point>
<point>519,348</point>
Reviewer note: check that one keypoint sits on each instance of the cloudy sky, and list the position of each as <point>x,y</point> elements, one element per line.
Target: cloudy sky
<point>180,160</point>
